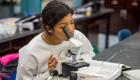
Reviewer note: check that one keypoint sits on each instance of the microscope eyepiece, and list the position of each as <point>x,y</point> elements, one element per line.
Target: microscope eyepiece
<point>65,30</point>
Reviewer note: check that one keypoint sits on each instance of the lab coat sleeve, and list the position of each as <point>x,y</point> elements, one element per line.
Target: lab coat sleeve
<point>87,49</point>
<point>26,67</point>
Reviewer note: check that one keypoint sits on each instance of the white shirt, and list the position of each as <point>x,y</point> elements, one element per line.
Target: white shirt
<point>33,57</point>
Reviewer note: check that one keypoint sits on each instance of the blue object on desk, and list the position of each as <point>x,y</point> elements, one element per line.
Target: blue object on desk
<point>30,7</point>
<point>123,34</point>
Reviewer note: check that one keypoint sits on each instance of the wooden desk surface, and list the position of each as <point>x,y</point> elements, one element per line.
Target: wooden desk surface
<point>126,52</point>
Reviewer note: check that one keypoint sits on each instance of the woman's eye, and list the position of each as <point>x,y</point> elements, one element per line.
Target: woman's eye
<point>63,27</point>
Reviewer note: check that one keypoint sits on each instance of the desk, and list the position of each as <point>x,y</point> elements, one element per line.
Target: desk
<point>126,52</point>
<point>15,41</point>
<point>102,14</point>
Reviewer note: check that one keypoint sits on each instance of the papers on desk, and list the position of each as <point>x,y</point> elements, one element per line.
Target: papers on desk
<point>76,16</point>
<point>132,74</point>
<point>7,26</point>
<point>101,70</point>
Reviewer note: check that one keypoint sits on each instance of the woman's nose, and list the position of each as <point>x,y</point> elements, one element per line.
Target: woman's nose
<point>70,28</point>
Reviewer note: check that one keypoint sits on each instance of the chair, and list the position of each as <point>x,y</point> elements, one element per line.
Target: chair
<point>123,34</point>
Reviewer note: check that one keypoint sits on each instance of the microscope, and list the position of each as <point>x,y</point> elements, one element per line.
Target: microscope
<point>68,68</point>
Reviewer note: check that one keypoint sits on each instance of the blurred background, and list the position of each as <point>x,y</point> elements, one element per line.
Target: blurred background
<point>123,15</point>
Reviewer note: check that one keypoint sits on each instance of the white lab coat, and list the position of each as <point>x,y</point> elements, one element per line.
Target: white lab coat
<point>33,58</point>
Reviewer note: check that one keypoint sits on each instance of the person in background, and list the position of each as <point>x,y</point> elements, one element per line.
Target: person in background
<point>46,51</point>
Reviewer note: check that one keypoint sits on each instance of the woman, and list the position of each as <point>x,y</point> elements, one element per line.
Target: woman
<point>48,50</point>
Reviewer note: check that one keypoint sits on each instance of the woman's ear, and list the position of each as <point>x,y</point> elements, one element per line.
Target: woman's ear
<point>48,30</point>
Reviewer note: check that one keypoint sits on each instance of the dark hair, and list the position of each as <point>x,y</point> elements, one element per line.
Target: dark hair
<point>53,12</point>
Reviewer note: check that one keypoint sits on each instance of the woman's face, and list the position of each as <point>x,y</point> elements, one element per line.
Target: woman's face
<point>68,23</point>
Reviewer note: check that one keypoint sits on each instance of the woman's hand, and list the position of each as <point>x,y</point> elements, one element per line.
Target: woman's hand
<point>52,62</point>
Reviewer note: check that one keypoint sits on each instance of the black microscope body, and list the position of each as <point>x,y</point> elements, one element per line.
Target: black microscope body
<point>68,69</point>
